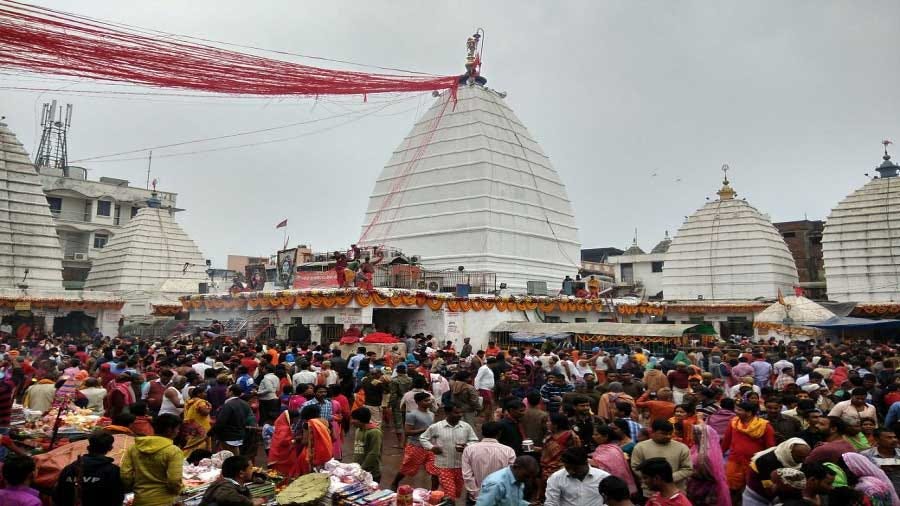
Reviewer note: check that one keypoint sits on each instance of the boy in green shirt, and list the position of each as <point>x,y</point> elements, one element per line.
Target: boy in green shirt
<point>367,442</point>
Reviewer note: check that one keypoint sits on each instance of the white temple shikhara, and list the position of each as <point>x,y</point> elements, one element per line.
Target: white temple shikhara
<point>30,253</point>
<point>727,250</point>
<point>476,191</point>
<point>150,261</point>
<point>861,240</point>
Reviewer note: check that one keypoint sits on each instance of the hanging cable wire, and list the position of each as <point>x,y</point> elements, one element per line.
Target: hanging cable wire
<point>237,134</point>
<point>41,40</point>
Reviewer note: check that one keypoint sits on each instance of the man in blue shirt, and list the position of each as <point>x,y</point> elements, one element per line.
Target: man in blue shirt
<point>506,487</point>
<point>356,359</point>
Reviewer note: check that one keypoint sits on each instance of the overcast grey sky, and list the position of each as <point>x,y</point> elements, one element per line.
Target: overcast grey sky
<point>794,96</point>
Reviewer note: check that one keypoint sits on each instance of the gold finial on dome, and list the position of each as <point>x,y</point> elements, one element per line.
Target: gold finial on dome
<point>726,192</point>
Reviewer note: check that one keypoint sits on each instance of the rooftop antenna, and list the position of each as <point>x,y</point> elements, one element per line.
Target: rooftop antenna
<point>53,151</point>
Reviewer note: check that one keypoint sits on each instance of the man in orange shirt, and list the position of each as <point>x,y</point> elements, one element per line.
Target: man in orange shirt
<point>492,349</point>
<point>662,408</point>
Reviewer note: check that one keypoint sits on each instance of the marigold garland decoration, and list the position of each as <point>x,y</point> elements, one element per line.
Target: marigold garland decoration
<point>331,298</point>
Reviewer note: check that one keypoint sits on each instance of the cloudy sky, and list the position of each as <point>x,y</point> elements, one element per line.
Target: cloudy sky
<point>794,96</point>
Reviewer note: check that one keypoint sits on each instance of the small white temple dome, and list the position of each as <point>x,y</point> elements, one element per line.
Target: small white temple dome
<point>150,261</point>
<point>861,241</point>
<point>727,250</point>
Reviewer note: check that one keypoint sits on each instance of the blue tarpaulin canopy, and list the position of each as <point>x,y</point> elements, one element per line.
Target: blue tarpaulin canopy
<point>851,323</point>
<point>536,338</point>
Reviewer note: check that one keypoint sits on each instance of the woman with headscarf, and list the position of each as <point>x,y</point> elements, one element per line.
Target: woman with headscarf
<point>870,480</point>
<point>195,429</point>
<point>707,485</point>
<point>746,435</point>
<point>789,454</point>
<point>313,440</point>
<point>610,458</point>
<point>283,454</point>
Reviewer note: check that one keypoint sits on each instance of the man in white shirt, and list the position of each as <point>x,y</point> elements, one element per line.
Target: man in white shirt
<point>305,377</point>
<point>577,483</point>
<point>484,383</point>
<point>269,403</point>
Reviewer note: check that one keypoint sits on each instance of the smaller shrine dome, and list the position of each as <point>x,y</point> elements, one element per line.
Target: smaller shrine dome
<point>861,240</point>
<point>662,246</point>
<point>727,250</point>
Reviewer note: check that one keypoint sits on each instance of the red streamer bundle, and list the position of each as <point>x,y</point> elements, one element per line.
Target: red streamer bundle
<point>36,39</point>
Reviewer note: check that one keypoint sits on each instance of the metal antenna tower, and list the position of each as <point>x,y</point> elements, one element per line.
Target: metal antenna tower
<point>53,152</point>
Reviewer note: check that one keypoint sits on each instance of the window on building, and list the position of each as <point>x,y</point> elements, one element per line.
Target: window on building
<point>100,240</point>
<point>134,211</point>
<point>104,208</point>
<point>656,266</point>
<point>55,204</point>
<point>627,273</point>
<point>788,235</point>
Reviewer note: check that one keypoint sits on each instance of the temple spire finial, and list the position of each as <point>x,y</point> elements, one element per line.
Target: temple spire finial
<point>726,192</point>
<point>474,50</point>
<point>886,143</point>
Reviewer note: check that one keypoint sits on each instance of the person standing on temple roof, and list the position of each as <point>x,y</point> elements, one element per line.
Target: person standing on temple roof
<point>568,286</point>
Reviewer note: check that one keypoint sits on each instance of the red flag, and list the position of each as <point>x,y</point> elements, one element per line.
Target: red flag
<point>282,224</point>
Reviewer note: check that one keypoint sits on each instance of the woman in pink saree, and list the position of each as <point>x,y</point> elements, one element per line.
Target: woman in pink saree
<point>609,457</point>
<point>708,484</point>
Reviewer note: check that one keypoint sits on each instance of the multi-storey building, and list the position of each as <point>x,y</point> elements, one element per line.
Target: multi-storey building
<point>88,213</point>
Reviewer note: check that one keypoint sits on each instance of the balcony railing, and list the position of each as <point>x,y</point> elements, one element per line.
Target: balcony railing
<point>80,217</point>
<point>412,277</point>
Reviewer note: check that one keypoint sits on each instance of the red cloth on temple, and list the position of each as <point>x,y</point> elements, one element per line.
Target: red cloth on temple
<point>380,337</point>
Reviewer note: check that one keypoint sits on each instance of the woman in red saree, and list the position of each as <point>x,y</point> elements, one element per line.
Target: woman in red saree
<point>283,453</point>
<point>313,440</point>
<point>559,440</point>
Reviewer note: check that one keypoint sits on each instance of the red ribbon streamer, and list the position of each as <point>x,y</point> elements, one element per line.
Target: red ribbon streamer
<point>36,39</point>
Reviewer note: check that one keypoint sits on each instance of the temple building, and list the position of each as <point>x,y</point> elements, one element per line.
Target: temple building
<point>150,262</point>
<point>727,251</point>
<point>31,281</point>
<point>469,187</point>
<point>861,241</point>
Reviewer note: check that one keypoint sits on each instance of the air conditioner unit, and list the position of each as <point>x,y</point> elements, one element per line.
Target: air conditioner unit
<point>537,287</point>
<point>434,283</point>
<point>80,256</point>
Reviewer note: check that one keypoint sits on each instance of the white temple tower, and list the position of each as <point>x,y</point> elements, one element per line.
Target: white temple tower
<point>474,189</point>
<point>861,241</point>
<point>150,261</point>
<point>29,247</point>
<point>727,250</point>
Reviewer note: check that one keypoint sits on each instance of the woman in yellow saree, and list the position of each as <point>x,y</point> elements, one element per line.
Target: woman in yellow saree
<point>195,429</point>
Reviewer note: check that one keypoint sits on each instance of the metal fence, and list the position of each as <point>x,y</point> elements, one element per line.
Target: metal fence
<point>415,278</point>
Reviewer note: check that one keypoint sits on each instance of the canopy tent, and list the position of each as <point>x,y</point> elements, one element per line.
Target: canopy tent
<point>839,323</point>
<point>531,338</point>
